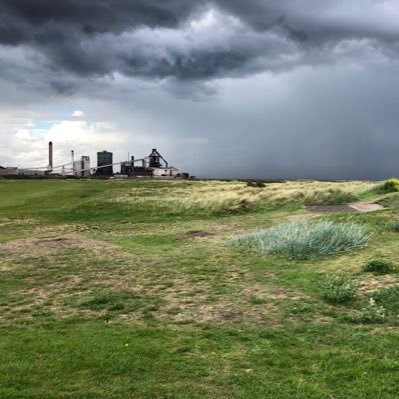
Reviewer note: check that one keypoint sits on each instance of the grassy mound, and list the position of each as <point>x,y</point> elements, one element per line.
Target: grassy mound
<point>305,240</point>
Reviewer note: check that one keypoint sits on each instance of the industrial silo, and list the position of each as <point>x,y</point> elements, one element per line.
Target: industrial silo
<point>104,164</point>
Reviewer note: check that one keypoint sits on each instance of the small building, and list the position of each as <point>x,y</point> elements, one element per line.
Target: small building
<point>165,172</point>
<point>6,171</point>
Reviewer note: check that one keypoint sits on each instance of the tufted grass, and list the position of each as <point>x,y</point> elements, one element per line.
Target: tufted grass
<point>305,239</point>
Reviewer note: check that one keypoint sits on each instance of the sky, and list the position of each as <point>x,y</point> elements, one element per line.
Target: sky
<point>264,89</point>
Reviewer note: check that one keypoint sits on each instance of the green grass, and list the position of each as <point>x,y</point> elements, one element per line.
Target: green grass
<point>127,289</point>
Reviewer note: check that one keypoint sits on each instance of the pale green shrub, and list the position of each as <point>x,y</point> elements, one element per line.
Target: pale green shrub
<point>305,239</point>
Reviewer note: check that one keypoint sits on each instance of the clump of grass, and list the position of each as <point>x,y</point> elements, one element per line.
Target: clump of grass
<point>371,313</point>
<point>305,240</point>
<point>378,266</point>
<point>394,226</point>
<point>339,290</point>
<point>330,197</point>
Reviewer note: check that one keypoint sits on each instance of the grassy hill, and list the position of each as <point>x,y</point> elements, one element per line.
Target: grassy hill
<point>131,289</point>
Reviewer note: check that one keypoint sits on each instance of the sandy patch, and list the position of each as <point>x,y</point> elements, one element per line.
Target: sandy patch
<point>367,207</point>
<point>42,246</point>
<point>373,282</point>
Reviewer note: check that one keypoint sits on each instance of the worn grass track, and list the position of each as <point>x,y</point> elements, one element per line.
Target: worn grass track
<point>128,290</point>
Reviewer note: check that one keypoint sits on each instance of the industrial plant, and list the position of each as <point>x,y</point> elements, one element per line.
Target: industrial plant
<point>151,166</point>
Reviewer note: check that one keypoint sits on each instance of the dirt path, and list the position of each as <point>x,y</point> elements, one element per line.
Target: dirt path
<point>356,207</point>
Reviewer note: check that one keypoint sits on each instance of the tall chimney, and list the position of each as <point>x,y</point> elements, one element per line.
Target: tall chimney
<point>50,155</point>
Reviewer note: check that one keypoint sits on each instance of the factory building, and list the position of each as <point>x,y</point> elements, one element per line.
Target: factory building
<point>82,166</point>
<point>151,166</point>
<point>104,163</point>
<point>154,165</point>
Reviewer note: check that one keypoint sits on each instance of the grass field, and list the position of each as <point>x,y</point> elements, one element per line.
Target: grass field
<point>130,289</point>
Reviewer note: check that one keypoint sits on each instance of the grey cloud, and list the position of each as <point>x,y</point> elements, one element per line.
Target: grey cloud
<point>99,38</point>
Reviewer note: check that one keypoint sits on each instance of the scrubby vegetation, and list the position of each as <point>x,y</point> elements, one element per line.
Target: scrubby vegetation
<point>339,290</point>
<point>127,289</point>
<point>305,239</point>
<point>388,186</point>
<point>391,185</point>
<point>371,313</point>
<point>379,266</point>
<point>389,299</point>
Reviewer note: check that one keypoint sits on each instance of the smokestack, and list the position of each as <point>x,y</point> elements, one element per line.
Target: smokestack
<point>72,156</point>
<point>50,155</point>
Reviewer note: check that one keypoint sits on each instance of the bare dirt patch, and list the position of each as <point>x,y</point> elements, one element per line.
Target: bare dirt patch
<point>42,246</point>
<point>194,234</point>
<point>220,312</point>
<point>356,207</point>
<point>367,207</point>
<point>373,282</point>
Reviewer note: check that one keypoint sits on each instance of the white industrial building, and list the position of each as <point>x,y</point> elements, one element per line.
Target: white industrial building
<point>165,172</point>
<point>82,166</point>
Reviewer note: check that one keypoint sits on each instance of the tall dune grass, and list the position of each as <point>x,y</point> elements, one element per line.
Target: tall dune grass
<point>212,197</point>
<point>305,239</point>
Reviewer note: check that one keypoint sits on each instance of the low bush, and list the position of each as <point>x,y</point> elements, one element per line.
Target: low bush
<point>305,239</point>
<point>372,313</point>
<point>339,290</point>
<point>378,266</point>
<point>391,185</point>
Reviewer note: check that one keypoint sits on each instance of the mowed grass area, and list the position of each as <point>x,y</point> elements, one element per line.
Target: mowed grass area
<point>131,289</point>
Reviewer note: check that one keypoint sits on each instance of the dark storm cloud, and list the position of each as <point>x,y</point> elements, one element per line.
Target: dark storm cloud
<point>86,16</point>
<point>177,38</point>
